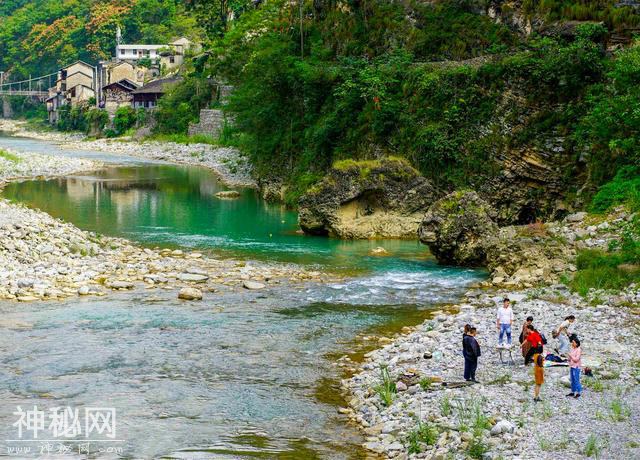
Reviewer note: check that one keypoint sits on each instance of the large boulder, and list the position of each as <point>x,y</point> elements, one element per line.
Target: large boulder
<point>367,199</point>
<point>458,228</point>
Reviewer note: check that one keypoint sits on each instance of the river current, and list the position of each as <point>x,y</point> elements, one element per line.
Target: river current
<point>240,375</point>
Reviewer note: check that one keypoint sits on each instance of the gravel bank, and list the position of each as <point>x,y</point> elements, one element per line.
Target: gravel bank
<point>43,258</point>
<point>606,419</point>
<point>17,165</point>
<point>230,165</point>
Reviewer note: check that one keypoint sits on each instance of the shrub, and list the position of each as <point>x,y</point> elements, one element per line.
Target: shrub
<point>181,105</point>
<point>96,119</point>
<point>125,118</point>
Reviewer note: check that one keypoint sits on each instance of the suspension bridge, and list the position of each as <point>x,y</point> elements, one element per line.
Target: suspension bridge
<point>37,87</point>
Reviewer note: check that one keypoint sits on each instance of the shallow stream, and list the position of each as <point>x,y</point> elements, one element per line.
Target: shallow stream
<point>240,375</point>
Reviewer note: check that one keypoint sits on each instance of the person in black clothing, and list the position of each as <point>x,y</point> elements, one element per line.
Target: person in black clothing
<point>471,352</point>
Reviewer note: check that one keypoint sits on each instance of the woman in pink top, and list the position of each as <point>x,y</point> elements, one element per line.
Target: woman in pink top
<point>575,363</point>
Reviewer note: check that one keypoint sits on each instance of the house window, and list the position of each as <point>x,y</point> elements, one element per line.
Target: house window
<point>122,52</point>
<point>134,51</point>
<point>172,59</point>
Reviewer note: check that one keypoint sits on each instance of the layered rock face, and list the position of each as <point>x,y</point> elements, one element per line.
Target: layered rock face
<point>461,229</point>
<point>457,229</point>
<point>367,199</point>
<point>531,180</point>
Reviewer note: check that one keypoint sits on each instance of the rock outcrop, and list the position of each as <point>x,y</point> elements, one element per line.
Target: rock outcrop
<point>460,229</point>
<point>367,199</point>
<point>457,229</point>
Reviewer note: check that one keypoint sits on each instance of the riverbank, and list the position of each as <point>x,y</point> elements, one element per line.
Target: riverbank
<point>47,259</point>
<point>228,163</point>
<point>43,258</point>
<point>498,418</point>
<point>17,165</point>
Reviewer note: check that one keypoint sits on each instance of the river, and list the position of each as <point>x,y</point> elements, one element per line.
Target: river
<point>239,375</point>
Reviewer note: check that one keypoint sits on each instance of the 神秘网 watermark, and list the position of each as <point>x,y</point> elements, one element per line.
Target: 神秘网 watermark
<point>64,430</point>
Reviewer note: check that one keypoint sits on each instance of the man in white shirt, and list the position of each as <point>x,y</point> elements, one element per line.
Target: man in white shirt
<point>504,322</point>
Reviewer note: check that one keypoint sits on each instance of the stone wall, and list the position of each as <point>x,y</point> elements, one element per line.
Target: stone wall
<point>6,108</point>
<point>210,124</point>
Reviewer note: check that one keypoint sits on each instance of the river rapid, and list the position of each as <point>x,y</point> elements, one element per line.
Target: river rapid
<point>239,375</point>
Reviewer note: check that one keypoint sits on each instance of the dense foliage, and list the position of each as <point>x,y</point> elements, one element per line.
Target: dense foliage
<point>39,36</point>
<point>182,104</point>
<point>438,83</point>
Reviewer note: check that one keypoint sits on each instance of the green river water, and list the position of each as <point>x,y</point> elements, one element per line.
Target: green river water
<point>239,375</point>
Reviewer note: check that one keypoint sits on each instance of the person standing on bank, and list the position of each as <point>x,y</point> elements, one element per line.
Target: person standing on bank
<point>562,334</point>
<point>504,322</point>
<point>575,363</point>
<point>471,353</point>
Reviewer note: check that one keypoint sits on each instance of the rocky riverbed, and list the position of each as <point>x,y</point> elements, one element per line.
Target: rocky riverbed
<point>498,417</point>
<point>230,165</point>
<point>43,258</point>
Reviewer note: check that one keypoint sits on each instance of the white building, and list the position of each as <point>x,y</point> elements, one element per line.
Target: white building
<point>136,52</point>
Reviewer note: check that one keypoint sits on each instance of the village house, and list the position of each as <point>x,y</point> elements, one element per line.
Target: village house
<point>118,94</point>
<point>76,84</point>
<point>168,57</point>
<point>147,96</point>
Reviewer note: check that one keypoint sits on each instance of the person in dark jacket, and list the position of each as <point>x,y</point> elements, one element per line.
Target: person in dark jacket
<point>471,353</point>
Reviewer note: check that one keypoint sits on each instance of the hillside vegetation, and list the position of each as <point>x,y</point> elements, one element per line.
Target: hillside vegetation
<point>441,84</point>
<point>40,36</point>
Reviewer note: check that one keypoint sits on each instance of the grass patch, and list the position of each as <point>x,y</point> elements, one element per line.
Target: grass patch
<point>423,433</point>
<point>9,156</point>
<point>623,189</point>
<point>501,380</point>
<point>477,448</point>
<point>554,444</point>
<point>594,384</point>
<point>183,139</point>
<point>445,406</point>
<point>619,411</point>
<point>387,389</point>
<point>426,382</point>
<point>470,415</point>
<point>614,269</point>
<point>593,447</point>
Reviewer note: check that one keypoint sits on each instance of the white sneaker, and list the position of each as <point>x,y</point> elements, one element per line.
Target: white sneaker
<point>508,346</point>
<point>500,346</point>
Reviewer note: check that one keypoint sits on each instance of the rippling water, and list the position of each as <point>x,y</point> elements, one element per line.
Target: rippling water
<point>239,375</point>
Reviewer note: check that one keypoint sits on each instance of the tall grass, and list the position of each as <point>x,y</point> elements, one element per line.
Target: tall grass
<point>423,433</point>
<point>387,388</point>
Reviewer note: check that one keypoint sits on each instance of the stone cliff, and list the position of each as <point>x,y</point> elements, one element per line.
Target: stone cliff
<point>367,199</point>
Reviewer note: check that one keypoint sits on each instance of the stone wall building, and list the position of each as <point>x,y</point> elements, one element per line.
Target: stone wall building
<point>118,94</point>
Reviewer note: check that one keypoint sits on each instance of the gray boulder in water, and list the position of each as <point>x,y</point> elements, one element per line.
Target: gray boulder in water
<point>457,229</point>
